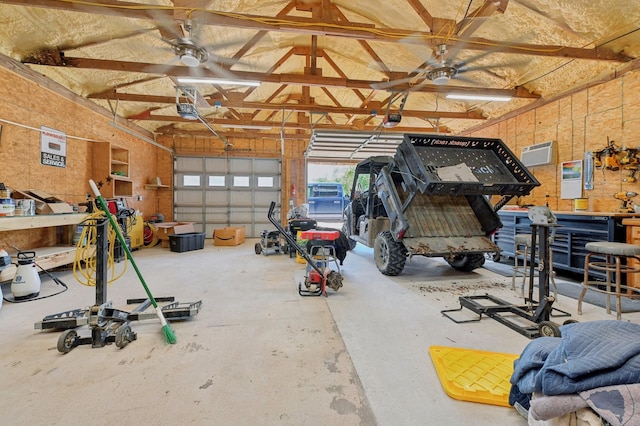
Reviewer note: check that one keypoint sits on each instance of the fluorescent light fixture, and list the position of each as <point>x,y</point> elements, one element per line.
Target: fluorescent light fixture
<point>478,97</point>
<point>218,81</point>
<point>245,126</point>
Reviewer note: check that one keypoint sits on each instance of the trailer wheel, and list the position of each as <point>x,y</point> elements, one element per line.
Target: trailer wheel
<point>390,255</point>
<point>466,263</point>
<point>549,329</point>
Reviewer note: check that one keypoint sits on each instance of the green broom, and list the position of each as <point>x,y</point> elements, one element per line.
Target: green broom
<point>169,335</point>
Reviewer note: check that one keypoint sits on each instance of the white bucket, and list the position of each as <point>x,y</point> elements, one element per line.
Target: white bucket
<point>7,206</point>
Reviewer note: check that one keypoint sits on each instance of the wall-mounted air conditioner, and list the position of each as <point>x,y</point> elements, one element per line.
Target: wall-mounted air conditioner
<point>539,154</point>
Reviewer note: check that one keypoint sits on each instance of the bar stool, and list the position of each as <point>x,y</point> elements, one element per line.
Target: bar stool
<point>522,248</point>
<point>614,265</point>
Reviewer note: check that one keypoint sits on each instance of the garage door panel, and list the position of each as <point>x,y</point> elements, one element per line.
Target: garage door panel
<point>188,197</point>
<point>216,198</point>
<point>213,164</point>
<point>266,166</point>
<point>241,199</point>
<point>265,198</point>
<point>241,215</point>
<point>240,165</point>
<point>217,191</point>
<point>218,216</point>
<point>189,164</point>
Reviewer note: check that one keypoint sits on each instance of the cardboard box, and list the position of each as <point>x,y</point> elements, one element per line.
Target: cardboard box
<point>45,203</point>
<point>170,228</point>
<point>228,236</point>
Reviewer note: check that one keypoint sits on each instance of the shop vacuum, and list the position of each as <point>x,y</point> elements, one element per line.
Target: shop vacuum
<point>26,283</point>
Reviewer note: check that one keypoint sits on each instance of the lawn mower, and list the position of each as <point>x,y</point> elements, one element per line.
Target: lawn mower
<point>270,243</point>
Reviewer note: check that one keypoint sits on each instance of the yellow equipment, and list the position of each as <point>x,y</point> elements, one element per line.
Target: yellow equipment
<point>625,198</point>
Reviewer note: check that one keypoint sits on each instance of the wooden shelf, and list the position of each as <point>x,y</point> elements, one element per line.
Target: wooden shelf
<point>111,167</point>
<point>47,257</point>
<point>14,223</point>
<point>154,187</point>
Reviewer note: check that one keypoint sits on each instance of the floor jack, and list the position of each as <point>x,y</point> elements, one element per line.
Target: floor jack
<point>107,324</point>
<point>531,319</point>
<point>319,276</point>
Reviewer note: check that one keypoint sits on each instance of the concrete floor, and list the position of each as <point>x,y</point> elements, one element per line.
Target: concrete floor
<point>258,353</point>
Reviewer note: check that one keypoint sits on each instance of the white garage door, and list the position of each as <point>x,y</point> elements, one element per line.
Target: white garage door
<point>214,192</point>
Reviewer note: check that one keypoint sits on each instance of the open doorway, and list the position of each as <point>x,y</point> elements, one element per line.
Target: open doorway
<point>328,187</point>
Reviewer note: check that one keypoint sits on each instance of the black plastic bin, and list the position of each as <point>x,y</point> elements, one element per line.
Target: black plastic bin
<point>189,241</point>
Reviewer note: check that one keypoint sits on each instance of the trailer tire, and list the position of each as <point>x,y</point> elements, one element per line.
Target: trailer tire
<point>390,255</point>
<point>467,262</point>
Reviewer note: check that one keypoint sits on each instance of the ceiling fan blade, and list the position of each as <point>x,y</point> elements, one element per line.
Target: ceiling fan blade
<point>224,60</point>
<point>169,29</point>
<point>419,86</point>
<point>465,68</point>
<point>466,79</point>
<point>455,50</point>
<point>220,71</point>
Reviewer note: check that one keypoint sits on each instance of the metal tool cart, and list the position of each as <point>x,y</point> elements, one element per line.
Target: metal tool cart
<point>532,318</point>
<point>108,324</point>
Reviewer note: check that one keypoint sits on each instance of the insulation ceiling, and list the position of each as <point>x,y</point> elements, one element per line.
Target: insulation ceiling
<point>325,65</point>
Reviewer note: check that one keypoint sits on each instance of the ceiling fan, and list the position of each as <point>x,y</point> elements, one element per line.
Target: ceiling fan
<point>440,70</point>
<point>188,50</point>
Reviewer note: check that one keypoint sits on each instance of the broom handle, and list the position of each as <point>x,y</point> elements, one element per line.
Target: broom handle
<point>123,242</point>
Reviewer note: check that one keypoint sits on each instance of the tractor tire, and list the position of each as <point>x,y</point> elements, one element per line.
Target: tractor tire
<point>390,255</point>
<point>466,263</point>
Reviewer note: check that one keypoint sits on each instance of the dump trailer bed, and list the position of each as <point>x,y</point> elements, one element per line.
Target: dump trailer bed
<point>444,224</point>
<point>432,199</point>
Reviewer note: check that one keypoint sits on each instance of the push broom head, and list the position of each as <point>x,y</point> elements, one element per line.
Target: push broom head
<point>169,335</point>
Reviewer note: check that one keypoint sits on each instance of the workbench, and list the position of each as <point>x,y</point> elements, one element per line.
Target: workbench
<point>574,230</point>
<point>46,257</point>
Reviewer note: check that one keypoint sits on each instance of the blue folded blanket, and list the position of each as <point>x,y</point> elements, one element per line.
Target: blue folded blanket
<point>587,356</point>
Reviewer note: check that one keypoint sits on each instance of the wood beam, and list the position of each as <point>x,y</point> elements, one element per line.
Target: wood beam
<point>297,107</point>
<point>265,134</point>
<point>422,12</point>
<point>476,18</point>
<point>292,79</point>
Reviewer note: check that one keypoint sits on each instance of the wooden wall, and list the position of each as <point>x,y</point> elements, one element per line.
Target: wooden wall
<point>29,101</point>
<point>579,122</point>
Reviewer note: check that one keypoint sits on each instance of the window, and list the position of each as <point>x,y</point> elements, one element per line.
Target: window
<point>216,180</point>
<point>241,181</point>
<point>265,182</point>
<point>191,180</point>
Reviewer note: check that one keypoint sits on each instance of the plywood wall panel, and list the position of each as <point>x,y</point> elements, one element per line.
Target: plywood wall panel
<point>564,139</point>
<point>604,126</point>
<point>547,115</point>
<point>525,122</point>
<point>579,105</point>
<point>604,97</point>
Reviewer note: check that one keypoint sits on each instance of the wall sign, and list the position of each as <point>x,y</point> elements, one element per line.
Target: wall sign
<point>571,184</point>
<point>53,147</point>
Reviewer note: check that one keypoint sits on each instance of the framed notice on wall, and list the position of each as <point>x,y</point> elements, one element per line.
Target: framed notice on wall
<point>53,147</point>
<point>571,184</point>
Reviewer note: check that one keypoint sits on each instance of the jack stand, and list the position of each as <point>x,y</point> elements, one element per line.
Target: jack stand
<point>108,325</point>
<point>536,314</point>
